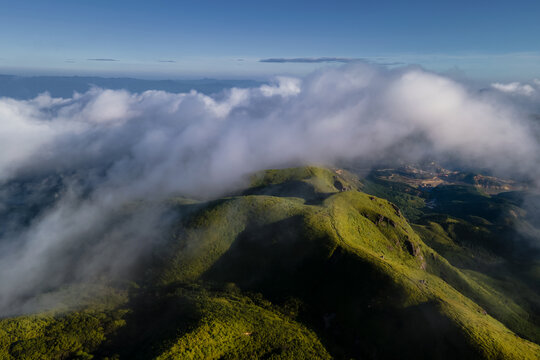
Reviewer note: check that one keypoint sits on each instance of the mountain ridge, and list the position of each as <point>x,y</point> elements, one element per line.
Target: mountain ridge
<point>341,271</point>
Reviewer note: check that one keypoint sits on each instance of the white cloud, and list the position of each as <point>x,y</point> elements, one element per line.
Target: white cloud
<point>286,86</point>
<point>514,88</point>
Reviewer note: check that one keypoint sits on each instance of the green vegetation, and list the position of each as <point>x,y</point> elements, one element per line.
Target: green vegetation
<point>232,326</point>
<point>70,331</point>
<point>302,265</point>
<point>406,197</point>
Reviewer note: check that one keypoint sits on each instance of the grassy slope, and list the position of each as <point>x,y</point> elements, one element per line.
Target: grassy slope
<point>477,234</point>
<point>361,282</point>
<point>320,223</point>
<point>83,318</point>
<point>489,280</point>
<point>232,326</point>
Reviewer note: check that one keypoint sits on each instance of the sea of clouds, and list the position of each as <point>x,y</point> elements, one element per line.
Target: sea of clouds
<point>114,148</point>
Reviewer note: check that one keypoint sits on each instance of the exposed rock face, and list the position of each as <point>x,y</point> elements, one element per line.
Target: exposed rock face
<point>396,209</point>
<point>409,246</point>
<point>338,185</point>
<point>414,250</point>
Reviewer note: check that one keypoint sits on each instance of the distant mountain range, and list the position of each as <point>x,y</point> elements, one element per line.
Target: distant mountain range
<point>28,87</point>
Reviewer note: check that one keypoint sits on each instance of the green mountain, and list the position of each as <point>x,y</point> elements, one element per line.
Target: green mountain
<point>311,263</point>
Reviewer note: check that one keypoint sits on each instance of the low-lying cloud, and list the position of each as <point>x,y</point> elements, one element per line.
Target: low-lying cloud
<point>114,149</point>
<point>515,88</point>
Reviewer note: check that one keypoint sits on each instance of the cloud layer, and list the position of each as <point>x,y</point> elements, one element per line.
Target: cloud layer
<point>114,148</point>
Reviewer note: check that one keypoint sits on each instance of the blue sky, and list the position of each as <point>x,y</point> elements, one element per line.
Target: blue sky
<point>202,38</point>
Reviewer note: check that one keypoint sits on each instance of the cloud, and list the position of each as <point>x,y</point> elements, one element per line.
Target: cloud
<point>284,86</point>
<point>102,59</point>
<point>309,60</point>
<point>110,151</point>
<point>515,88</point>
<point>167,61</point>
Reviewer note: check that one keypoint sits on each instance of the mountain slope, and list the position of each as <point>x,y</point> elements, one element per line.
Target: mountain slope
<point>304,265</point>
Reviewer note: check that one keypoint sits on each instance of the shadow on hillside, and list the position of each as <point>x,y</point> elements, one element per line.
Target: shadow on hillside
<point>352,305</point>
<point>415,332</point>
<point>156,320</point>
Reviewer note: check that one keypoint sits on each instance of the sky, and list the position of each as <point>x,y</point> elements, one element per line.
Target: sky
<point>495,40</point>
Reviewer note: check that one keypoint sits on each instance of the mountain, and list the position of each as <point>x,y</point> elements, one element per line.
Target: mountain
<point>311,263</point>
<point>28,87</point>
